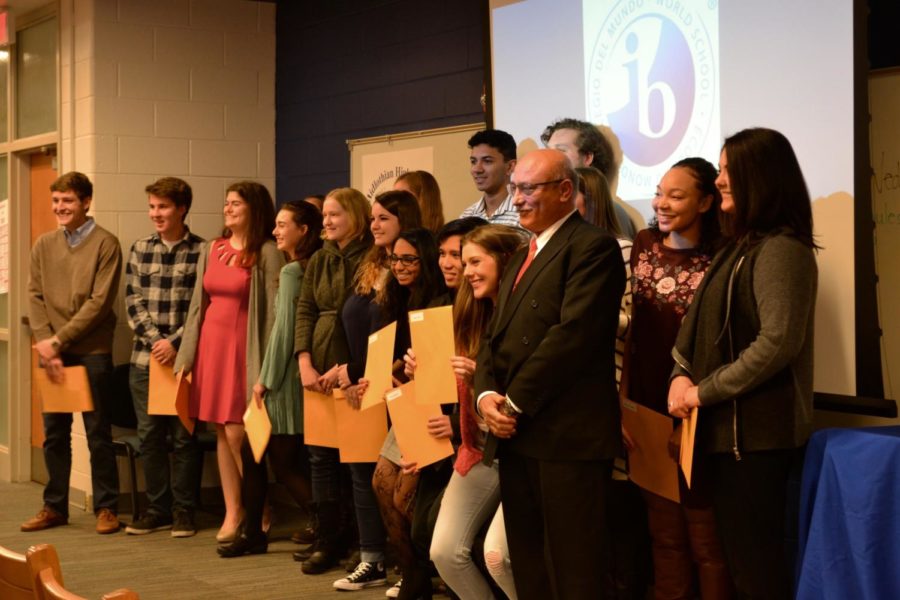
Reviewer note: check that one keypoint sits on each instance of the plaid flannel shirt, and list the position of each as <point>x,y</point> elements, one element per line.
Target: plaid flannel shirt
<point>158,287</point>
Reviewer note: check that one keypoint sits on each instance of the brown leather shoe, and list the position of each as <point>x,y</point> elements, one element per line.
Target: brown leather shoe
<point>107,522</point>
<point>45,519</point>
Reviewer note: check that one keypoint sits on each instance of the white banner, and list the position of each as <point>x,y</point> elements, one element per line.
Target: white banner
<point>380,170</point>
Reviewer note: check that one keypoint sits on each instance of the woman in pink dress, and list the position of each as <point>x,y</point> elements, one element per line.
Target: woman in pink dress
<point>228,324</point>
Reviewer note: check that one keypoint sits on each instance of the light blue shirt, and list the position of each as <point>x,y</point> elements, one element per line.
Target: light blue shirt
<point>73,238</point>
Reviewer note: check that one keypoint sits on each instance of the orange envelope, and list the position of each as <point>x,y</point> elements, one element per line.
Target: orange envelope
<point>379,362</point>
<point>688,435</point>
<point>360,433</point>
<point>431,331</point>
<point>649,463</point>
<point>319,420</point>
<point>71,396</point>
<point>163,389</point>
<point>410,422</point>
<point>258,427</point>
<point>183,400</point>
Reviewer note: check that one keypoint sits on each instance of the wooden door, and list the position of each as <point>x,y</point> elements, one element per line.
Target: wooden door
<point>41,175</point>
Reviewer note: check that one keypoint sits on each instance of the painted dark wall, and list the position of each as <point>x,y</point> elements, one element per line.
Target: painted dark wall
<point>884,19</point>
<point>356,68</point>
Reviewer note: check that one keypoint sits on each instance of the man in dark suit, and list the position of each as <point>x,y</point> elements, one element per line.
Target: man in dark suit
<point>546,386</point>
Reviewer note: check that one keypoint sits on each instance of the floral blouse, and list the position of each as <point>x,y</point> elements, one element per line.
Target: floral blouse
<point>663,284</point>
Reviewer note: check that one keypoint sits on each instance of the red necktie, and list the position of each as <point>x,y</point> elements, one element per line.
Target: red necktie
<point>532,250</point>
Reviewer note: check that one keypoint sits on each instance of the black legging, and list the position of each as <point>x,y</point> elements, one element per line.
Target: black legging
<point>287,455</point>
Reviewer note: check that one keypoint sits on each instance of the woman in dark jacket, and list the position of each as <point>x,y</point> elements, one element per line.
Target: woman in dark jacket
<point>321,345</point>
<point>744,355</point>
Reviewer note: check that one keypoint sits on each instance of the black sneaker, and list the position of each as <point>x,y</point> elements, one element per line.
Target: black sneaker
<point>149,523</point>
<point>367,574</point>
<point>183,525</point>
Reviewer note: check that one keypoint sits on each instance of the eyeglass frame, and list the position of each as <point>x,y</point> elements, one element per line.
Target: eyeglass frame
<point>530,187</point>
<point>407,260</point>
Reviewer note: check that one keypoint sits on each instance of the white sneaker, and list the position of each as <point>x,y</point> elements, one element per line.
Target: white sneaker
<point>394,590</point>
<point>367,574</point>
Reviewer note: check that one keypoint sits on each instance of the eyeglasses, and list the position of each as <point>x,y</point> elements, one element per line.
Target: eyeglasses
<point>407,260</point>
<point>527,189</point>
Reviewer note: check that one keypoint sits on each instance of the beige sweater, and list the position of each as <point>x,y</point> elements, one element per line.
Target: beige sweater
<point>71,291</point>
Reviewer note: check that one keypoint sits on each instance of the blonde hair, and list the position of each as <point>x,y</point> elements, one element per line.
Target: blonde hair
<point>358,210</point>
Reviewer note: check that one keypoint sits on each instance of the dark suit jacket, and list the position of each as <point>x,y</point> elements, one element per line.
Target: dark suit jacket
<point>551,346</point>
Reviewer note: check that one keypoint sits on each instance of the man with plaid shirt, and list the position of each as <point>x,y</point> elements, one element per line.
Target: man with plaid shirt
<point>159,280</point>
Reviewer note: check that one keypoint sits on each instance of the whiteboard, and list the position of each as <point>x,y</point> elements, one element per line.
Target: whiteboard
<point>446,148</point>
<point>884,141</point>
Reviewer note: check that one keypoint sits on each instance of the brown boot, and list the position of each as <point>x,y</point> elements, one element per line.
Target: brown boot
<point>715,581</point>
<point>673,570</point>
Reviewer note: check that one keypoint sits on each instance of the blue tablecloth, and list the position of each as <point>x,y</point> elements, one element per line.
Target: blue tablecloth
<point>849,546</point>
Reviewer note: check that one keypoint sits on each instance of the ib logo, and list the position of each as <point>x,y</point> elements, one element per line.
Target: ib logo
<point>651,80</point>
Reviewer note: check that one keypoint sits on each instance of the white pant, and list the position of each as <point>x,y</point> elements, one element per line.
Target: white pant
<point>468,502</point>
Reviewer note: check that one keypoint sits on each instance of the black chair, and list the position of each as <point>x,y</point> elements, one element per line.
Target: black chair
<point>128,445</point>
<point>121,414</point>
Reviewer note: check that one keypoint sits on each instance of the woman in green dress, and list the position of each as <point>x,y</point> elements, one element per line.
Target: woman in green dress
<point>298,228</point>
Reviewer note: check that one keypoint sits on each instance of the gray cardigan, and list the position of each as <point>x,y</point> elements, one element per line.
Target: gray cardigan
<point>260,312</point>
<point>747,341</point>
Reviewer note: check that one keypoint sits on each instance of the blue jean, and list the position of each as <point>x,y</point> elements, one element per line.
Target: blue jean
<point>469,502</point>
<point>58,442</point>
<point>326,487</point>
<point>166,491</point>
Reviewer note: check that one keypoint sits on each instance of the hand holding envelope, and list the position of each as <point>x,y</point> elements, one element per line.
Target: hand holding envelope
<point>257,426</point>
<point>71,395</point>
<point>431,331</point>
<point>162,390</point>
<point>379,365</point>
<point>410,420</point>
<point>649,464</point>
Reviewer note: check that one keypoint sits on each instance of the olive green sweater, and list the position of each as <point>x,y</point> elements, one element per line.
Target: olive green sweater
<point>71,291</point>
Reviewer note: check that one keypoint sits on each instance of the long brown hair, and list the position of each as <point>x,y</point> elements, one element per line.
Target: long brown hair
<point>372,273</point>
<point>425,188</point>
<point>598,201</point>
<point>472,315</point>
<point>767,186</point>
<point>262,218</point>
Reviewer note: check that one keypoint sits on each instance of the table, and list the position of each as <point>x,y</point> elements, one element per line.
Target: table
<point>849,529</point>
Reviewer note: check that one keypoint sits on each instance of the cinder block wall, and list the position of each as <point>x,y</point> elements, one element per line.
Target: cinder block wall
<point>165,87</point>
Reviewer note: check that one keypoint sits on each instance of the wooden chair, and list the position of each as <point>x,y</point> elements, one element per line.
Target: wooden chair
<point>15,576</point>
<point>43,565</point>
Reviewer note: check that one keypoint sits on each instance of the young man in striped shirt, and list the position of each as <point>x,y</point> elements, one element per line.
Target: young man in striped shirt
<point>159,280</point>
<point>492,159</point>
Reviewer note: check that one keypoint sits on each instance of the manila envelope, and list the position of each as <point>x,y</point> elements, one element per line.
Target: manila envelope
<point>649,463</point>
<point>258,427</point>
<point>319,420</point>
<point>360,433</point>
<point>431,331</point>
<point>379,365</point>
<point>410,422</point>
<point>688,436</point>
<point>163,389</point>
<point>71,396</point>
<point>183,400</point>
